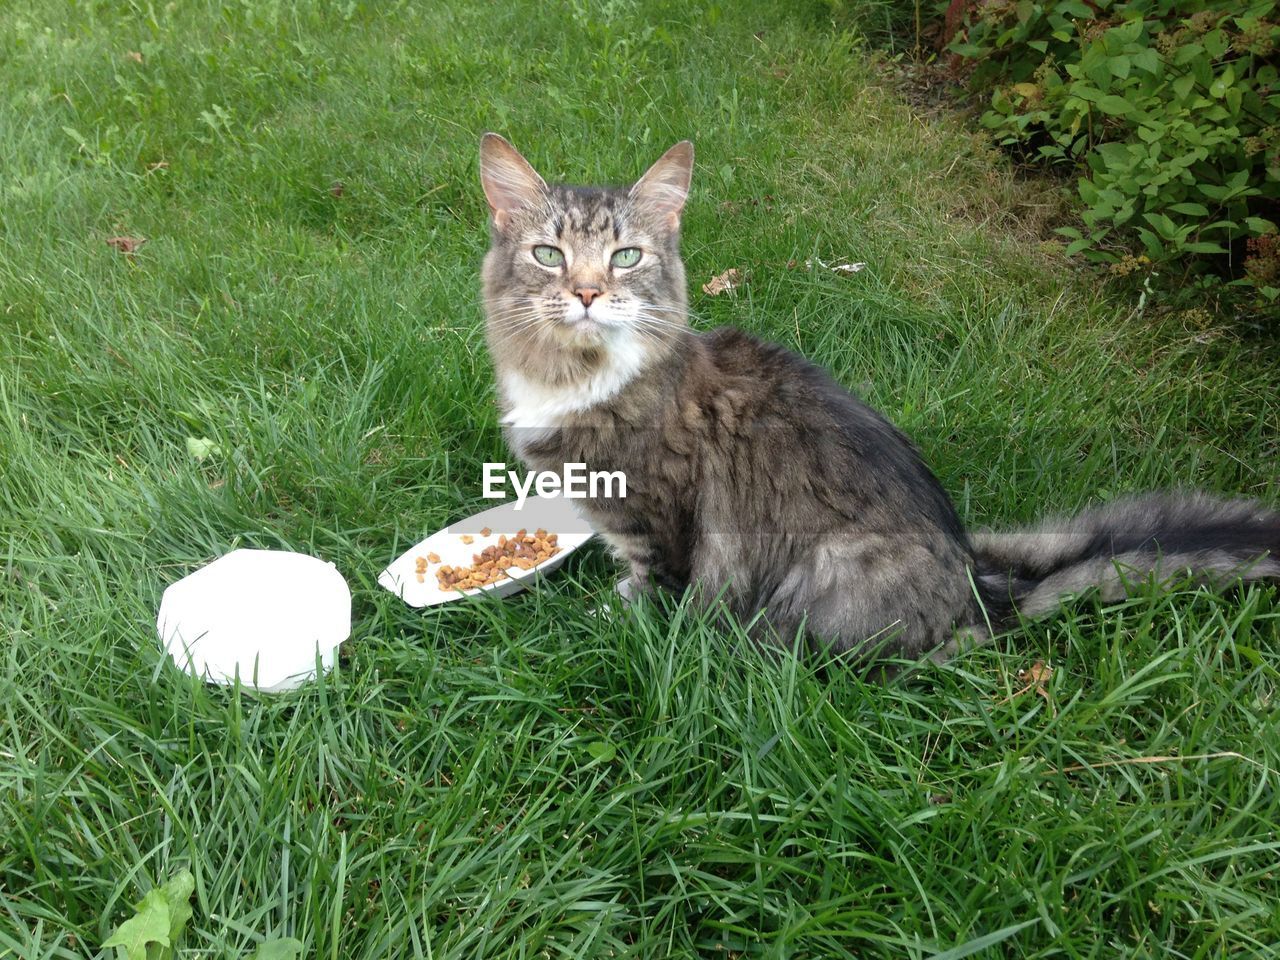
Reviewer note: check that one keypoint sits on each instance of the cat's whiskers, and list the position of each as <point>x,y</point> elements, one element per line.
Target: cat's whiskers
<point>656,328</point>
<point>523,310</point>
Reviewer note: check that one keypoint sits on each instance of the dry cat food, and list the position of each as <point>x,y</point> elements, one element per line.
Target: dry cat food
<point>523,551</point>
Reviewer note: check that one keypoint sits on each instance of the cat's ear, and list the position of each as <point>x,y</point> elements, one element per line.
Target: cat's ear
<point>509,182</point>
<point>665,186</point>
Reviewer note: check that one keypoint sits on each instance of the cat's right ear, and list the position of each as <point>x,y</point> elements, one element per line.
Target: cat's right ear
<point>665,186</point>
<point>509,182</point>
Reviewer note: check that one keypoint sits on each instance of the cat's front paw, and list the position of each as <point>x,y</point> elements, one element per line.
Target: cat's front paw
<point>627,590</point>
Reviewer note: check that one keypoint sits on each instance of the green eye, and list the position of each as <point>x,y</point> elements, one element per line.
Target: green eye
<point>548,256</point>
<point>626,257</point>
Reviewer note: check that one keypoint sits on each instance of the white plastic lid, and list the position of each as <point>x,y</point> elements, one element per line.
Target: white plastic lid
<point>263,614</point>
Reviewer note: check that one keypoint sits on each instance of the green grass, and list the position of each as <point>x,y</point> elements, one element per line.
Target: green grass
<point>519,779</point>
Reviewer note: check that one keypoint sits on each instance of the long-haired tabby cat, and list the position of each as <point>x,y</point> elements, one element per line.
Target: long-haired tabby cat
<point>752,473</point>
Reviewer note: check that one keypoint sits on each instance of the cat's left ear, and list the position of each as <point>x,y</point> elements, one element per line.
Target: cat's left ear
<point>508,180</point>
<point>665,186</point>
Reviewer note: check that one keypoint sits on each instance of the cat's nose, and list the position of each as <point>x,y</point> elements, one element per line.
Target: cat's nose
<point>586,294</point>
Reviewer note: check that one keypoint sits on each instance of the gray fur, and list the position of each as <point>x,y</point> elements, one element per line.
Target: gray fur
<point>752,475</point>
<point>1111,547</point>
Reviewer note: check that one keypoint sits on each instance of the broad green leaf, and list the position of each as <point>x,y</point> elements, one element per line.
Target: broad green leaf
<point>602,750</point>
<point>1116,106</point>
<point>1192,209</point>
<point>1149,240</point>
<point>201,447</point>
<point>1077,245</point>
<point>282,949</point>
<point>1186,54</point>
<point>1216,43</point>
<point>177,894</point>
<point>1146,59</point>
<point>1115,156</point>
<point>1202,67</point>
<point>1097,65</point>
<point>1076,9</point>
<point>1126,33</point>
<point>150,925</point>
<point>1164,226</point>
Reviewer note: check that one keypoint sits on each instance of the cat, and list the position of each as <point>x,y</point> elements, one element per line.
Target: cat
<point>753,475</point>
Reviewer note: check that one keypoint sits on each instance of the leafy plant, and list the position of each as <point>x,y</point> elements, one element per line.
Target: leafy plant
<point>159,919</point>
<point>1170,109</point>
<point>283,949</point>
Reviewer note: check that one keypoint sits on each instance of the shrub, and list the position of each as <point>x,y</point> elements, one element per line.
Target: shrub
<point>1171,109</point>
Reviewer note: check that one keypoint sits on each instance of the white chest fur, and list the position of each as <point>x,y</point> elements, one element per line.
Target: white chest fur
<point>533,407</point>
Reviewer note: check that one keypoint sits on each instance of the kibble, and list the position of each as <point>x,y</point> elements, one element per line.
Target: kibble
<point>491,564</point>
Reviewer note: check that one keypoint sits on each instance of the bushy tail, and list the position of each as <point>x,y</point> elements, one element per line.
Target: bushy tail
<point>1109,547</point>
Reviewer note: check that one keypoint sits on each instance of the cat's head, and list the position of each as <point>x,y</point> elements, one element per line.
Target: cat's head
<point>573,269</point>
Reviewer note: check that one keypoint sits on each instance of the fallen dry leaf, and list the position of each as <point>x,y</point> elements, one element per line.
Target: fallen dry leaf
<point>723,283</point>
<point>158,165</point>
<point>133,55</point>
<point>1039,673</point>
<point>1035,677</point>
<point>337,188</point>
<point>736,206</point>
<point>126,245</point>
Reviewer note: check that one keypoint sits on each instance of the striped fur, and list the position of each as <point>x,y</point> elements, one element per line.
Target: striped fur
<point>1110,547</point>
<point>753,477</point>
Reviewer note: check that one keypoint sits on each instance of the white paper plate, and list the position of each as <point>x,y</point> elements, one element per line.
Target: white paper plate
<point>553,514</point>
<point>260,614</point>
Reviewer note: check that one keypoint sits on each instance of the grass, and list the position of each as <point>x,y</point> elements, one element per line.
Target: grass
<point>520,779</point>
